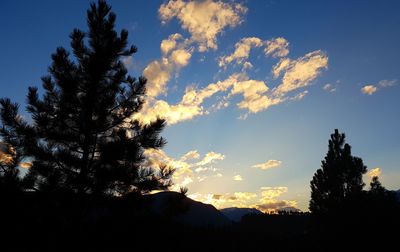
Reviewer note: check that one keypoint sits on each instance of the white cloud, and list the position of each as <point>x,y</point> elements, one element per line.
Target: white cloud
<point>254,98</point>
<point>185,165</point>
<point>237,178</point>
<point>387,83</point>
<point>300,72</point>
<point>272,163</point>
<point>189,107</point>
<point>242,52</point>
<point>329,88</point>
<point>203,19</point>
<point>376,172</point>
<point>369,89</point>
<point>277,47</point>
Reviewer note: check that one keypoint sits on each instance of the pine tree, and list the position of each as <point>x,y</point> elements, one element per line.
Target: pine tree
<point>339,177</point>
<point>82,138</point>
<point>376,187</point>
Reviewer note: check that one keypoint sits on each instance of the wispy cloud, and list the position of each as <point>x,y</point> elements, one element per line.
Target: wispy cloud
<point>329,88</point>
<point>372,88</point>
<point>299,73</point>
<point>272,163</point>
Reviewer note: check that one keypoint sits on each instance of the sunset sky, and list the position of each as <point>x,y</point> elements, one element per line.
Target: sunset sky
<point>251,90</point>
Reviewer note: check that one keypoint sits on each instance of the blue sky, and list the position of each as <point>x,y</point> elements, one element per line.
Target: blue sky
<point>284,120</point>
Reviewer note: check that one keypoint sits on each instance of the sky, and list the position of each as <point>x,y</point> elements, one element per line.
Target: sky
<point>251,90</point>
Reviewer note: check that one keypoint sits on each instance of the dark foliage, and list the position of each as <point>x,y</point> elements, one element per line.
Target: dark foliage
<point>81,138</point>
<point>342,212</point>
<point>338,179</point>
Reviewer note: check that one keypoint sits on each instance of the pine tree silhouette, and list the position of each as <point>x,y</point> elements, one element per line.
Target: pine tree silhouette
<point>82,138</point>
<point>339,177</point>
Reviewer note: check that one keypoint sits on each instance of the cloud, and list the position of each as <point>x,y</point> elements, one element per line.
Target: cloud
<point>237,178</point>
<point>203,19</point>
<point>189,107</point>
<point>387,83</point>
<point>376,172</point>
<point>176,55</point>
<point>185,165</point>
<point>242,196</point>
<point>369,89</point>
<point>269,202</point>
<point>268,193</point>
<point>257,95</point>
<point>266,200</point>
<point>167,45</point>
<point>190,155</point>
<point>300,72</point>
<point>329,88</point>
<point>277,47</point>
<point>272,163</point>
<point>210,158</point>
<point>242,52</point>
<point>254,98</point>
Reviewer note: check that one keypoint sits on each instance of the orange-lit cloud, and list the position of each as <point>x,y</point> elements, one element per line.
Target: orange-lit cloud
<point>272,163</point>
<point>203,19</point>
<point>267,199</point>
<point>369,89</point>
<point>176,54</point>
<point>376,172</point>
<point>25,165</point>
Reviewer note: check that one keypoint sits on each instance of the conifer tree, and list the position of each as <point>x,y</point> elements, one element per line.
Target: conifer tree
<point>339,177</point>
<point>82,138</point>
